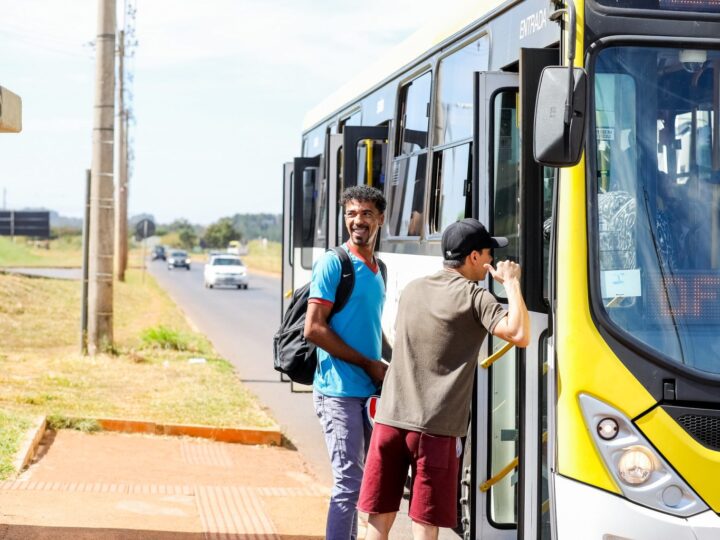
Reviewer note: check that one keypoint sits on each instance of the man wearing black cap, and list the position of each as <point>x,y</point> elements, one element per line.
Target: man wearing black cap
<point>442,320</point>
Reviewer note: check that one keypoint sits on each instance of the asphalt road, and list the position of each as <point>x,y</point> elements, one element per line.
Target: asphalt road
<point>241,324</point>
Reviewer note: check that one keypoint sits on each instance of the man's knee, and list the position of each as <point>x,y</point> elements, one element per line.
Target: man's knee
<point>423,531</point>
<point>382,523</point>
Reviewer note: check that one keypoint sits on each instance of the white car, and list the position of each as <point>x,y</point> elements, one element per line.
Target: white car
<point>225,270</point>
<point>178,259</point>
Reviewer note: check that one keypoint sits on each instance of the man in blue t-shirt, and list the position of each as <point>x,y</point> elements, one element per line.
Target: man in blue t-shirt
<point>349,352</point>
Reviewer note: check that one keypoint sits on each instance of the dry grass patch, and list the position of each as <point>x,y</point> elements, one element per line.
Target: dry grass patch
<point>42,372</point>
<point>157,386</point>
<point>267,258</point>
<point>36,314</point>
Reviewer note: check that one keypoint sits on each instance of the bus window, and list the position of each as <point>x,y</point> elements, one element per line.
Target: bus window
<point>547,194</point>
<point>406,196</point>
<point>309,206</point>
<point>503,435</point>
<point>505,177</point>
<point>371,163</point>
<point>321,211</point>
<point>449,194</point>
<point>657,227</point>
<point>355,119</point>
<point>414,105</point>
<point>453,116</point>
<point>544,469</point>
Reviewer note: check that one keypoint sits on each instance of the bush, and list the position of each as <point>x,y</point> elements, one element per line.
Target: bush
<point>161,337</point>
<point>60,421</point>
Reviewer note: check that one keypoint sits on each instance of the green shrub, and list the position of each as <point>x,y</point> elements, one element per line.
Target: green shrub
<point>59,421</point>
<point>162,337</point>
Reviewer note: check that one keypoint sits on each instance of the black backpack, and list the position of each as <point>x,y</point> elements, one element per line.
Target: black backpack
<point>292,354</point>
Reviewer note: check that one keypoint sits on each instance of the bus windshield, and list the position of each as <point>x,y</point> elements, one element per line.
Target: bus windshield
<point>657,198</point>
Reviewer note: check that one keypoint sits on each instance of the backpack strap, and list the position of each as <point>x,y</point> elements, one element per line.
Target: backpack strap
<point>347,280</point>
<point>383,270</point>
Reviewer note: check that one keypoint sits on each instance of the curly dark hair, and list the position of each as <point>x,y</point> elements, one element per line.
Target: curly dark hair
<point>364,194</point>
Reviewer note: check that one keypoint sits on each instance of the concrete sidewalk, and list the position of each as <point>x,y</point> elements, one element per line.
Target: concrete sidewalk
<point>117,486</point>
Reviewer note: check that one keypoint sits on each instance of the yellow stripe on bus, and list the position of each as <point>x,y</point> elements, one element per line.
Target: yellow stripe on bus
<point>698,465</point>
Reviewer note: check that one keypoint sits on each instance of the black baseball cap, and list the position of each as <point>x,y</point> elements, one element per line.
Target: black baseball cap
<point>465,236</point>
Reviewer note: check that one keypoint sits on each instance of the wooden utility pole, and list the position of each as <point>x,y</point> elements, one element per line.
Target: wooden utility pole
<point>121,216</point>
<point>100,287</point>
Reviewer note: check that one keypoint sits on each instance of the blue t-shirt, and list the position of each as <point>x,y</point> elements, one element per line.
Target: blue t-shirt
<point>357,324</point>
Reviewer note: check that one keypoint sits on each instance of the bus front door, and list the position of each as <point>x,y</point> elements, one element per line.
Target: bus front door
<point>508,494</point>
<point>490,479</point>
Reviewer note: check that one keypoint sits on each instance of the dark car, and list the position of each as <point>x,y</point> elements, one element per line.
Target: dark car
<point>178,259</point>
<point>158,253</point>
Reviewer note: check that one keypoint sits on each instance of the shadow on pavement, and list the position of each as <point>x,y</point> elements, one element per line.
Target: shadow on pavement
<point>26,532</point>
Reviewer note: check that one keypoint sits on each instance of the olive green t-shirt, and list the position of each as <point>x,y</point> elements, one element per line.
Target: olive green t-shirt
<point>441,322</point>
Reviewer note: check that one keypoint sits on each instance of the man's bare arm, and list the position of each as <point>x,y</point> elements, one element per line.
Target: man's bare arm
<point>318,331</point>
<point>515,326</point>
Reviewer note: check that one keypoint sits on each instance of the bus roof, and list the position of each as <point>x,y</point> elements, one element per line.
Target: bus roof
<point>400,56</point>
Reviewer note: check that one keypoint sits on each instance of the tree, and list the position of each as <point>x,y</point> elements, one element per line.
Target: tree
<point>187,237</point>
<point>219,234</point>
<point>253,226</point>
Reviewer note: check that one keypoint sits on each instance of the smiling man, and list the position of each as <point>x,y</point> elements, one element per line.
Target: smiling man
<point>349,350</point>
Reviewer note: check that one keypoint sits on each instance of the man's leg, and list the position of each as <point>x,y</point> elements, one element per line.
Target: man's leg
<point>342,421</point>
<point>379,526</point>
<point>422,531</point>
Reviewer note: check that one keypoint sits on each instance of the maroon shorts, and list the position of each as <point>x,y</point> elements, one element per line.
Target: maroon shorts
<point>434,464</point>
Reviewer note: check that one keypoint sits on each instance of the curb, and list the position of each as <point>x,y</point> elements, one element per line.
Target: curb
<point>29,445</point>
<point>229,435</point>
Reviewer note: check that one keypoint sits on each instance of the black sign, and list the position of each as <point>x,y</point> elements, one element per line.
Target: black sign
<point>144,229</point>
<point>25,223</point>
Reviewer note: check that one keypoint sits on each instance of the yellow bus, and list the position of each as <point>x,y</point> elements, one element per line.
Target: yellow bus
<point>588,134</point>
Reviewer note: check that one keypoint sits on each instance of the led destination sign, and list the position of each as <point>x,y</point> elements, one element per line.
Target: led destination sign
<point>690,298</point>
<point>696,6</point>
<point>709,6</point>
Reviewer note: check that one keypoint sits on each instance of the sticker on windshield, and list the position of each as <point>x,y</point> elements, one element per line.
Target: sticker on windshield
<point>605,134</point>
<point>620,283</point>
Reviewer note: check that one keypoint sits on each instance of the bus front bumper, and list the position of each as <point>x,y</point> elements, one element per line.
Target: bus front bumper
<point>593,514</point>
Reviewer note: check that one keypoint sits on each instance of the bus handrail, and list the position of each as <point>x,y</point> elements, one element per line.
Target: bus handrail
<point>490,360</point>
<point>490,482</point>
<point>487,484</point>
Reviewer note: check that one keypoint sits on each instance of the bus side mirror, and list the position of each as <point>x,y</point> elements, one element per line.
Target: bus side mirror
<point>559,136</point>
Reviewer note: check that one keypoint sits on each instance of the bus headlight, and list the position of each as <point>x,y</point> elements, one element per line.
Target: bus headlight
<point>640,472</point>
<point>635,465</point>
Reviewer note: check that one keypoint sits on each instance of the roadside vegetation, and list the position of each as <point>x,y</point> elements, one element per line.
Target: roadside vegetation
<point>12,430</point>
<point>161,371</point>
<point>64,251</point>
<point>266,257</point>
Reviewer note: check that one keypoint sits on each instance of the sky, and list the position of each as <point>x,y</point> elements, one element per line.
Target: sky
<point>219,91</point>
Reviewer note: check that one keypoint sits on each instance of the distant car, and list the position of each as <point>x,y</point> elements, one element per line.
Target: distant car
<point>178,259</point>
<point>158,253</point>
<point>225,270</point>
<point>233,247</point>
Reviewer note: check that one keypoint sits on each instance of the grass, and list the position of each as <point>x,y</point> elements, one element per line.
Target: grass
<point>12,431</point>
<point>264,257</point>
<point>162,337</point>
<point>149,378</point>
<point>65,251</point>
